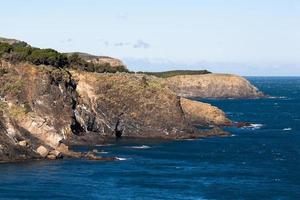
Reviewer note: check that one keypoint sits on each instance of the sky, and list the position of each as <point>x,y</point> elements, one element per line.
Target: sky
<point>245,37</point>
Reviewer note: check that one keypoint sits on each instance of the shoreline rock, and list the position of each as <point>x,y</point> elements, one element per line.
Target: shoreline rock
<point>212,86</point>
<point>44,110</point>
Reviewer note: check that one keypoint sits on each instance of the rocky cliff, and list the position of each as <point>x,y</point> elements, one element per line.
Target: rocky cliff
<point>127,105</point>
<point>204,114</point>
<point>49,103</point>
<point>44,109</point>
<point>100,60</point>
<point>212,86</point>
<point>36,107</point>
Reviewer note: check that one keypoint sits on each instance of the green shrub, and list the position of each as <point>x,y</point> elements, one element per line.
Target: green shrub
<point>3,71</point>
<point>167,74</point>
<point>47,57</point>
<point>21,52</point>
<point>5,48</point>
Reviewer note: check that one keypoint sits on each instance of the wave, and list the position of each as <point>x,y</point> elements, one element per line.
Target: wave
<point>103,145</point>
<point>254,126</point>
<point>139,147</point>
<point>121,159</point>
<point>287,129</point>
<point>190,139</point>
<point>277,97</point>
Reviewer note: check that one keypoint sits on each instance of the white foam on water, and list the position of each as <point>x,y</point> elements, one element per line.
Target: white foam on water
<point>254,126</point>
<point>139,147</point>
<point>279,97</point>
<point>190,139</point>
<point>287,129</point>
<point>121,159</point>
<point>103,145</point>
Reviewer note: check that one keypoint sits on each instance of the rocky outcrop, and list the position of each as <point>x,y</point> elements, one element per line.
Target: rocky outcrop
<point>36,106</point>
<point>44,109</point>
<point>113,62</point>
<point>101,60</point>
<point>203,113</point>
<point>128,105</point>
<point>212,86</point>
<point>11,41</point>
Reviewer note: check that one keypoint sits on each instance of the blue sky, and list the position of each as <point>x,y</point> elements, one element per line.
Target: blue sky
<point>246,37</point>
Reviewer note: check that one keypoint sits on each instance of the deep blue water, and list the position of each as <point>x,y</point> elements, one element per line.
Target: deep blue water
<point>262,162</point>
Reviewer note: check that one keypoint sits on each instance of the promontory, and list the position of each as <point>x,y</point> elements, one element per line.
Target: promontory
<point>50,101</point>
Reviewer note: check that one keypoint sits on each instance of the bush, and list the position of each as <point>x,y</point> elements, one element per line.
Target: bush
<point>3,71</point>
<point>168,74</point>
<point>21,52</point>
<point>5,48</point>
<point>47,57</point>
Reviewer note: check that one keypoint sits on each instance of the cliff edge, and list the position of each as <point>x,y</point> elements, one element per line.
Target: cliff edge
<point>212,86</point>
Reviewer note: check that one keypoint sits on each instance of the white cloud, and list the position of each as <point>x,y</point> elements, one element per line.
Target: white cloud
<point>141,44</point>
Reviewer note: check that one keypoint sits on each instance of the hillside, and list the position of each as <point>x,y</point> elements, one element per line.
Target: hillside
<point>50,101</point>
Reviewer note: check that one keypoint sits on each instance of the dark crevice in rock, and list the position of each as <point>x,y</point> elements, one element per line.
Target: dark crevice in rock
<point>75,126</point>
<point>119,127</point>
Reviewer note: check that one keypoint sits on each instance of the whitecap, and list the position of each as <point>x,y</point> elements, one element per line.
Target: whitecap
<point>103,145</point>
<point>140,147</point>
<point>190,139</point>
<point>103,152</point>
<point>287,129</point>
<point>254,126</point>
<point>121,159</point>
<point>278,97</point>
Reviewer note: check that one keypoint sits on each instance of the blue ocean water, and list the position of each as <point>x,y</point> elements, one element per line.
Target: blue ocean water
<point>259,162</point>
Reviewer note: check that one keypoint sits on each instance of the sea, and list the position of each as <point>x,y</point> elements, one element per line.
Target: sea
<point>261,161</point>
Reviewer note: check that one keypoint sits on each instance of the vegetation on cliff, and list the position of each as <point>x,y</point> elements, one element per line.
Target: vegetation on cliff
<point>168,74</point>
<point>22,52</point>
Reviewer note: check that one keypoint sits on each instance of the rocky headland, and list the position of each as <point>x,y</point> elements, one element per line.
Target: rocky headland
<point>50,101</point>
<point>212,86</point>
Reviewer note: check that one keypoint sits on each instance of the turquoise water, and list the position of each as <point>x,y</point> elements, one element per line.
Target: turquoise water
<point>259,162</point>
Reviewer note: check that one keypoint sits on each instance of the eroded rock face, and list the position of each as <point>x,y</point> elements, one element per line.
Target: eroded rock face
<point>10,150</point>
<point>50,108</point>
<point>102,60</point>
<point>203,113</point>
<point>127,105</point>
<point>212,86</point>
<point>36,106</point>
<point>113,62</point>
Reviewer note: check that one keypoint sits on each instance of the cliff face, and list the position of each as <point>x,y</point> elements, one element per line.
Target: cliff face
<point>36,107</point>
<point>127,105</point>
<point>101,60</point>
<point>203,113</point>
<point>44,109</point>
<point>212,86</point>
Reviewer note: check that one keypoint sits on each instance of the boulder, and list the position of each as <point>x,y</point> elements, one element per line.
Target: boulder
<point>51,157</point>
<point>56,153</point>
<point>43,151</point>
<point>23,143</point>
